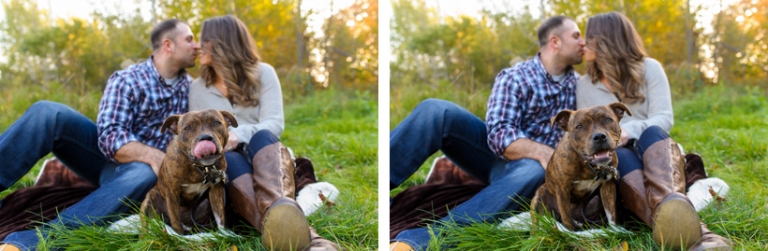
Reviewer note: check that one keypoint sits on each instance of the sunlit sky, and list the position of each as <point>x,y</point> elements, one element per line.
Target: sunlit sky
<point>472,8</point>
<point>82,8</point>
<point>322,8</point>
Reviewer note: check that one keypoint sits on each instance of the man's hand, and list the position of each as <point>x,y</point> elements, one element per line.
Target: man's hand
<point>231,142</point>
<point>526,148</point>
<point>138,152</point>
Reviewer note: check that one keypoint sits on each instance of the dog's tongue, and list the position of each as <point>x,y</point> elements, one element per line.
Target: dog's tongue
<point>204,148</point>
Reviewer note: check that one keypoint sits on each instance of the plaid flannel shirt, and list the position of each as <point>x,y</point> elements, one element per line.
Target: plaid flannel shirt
<point>135,104</point>
<point>523,100</point>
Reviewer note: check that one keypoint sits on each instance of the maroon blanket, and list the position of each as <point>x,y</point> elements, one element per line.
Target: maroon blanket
<point>446,187</point>
<point>56,189</point>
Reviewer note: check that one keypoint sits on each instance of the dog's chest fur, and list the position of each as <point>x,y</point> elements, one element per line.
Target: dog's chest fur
<point>578,178</point>
<point>187,180</point>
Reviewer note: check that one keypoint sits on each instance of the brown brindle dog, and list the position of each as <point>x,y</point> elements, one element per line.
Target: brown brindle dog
<point>583,161</point>
<point>194,163</point>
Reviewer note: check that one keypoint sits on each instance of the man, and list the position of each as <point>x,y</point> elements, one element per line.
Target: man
<point>511,149</point>
<point>122,153</point>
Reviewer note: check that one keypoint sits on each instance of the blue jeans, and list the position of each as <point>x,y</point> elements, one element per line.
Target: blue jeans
<point>237,164</point>
<point>462,137</point>
<point>51,127</point>
<point>631,156</point>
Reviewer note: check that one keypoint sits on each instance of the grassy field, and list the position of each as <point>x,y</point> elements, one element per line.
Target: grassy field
<point>726,125</point>
<point>335,129</point>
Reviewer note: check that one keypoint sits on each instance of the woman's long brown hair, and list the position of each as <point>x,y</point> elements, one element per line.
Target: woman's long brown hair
<point>234,59</point>
<point>619,55</point>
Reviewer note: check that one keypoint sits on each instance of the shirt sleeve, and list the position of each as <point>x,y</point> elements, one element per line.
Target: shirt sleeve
<point>270,108</point>
<point>115,116</point>
<point>505,106</point>
<point>659,102</point>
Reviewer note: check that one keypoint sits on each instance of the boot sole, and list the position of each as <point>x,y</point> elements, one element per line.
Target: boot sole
<point>285,228</point>
<point>676,224</point>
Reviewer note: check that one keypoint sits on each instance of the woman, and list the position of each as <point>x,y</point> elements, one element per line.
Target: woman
<point>233,78</point>
<point>651,168</point>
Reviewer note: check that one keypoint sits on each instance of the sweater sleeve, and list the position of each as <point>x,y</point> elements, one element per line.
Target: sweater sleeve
<point>659,101</point>
<point>270,107</point>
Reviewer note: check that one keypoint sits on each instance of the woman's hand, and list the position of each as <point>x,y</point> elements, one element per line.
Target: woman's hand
<point>231,142</point>
<point>624,137</point>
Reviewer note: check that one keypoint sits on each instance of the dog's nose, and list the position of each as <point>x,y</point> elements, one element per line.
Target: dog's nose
<point>599,137</point>
<point>205,137</point>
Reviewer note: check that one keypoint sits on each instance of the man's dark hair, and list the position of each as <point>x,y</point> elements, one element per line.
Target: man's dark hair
<point>548,26</point>
<point>161,30</point>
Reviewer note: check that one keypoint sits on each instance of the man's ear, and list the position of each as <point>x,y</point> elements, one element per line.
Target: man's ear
<point>168,44</point>
<point>554,41</point>
<point>170,124</point>
<point>619,109</point>
<point>562,119</point>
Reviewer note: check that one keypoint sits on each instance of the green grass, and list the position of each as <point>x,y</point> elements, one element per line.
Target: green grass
<point>335,129</point>
<point>726,125</point>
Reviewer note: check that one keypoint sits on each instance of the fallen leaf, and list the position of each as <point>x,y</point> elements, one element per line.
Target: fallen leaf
<point>623,246</point>
<point>712,192</point>
<point>326,200</point>
<point>233,248</point>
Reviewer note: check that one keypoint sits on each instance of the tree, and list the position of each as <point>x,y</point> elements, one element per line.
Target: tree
<point>350,47</point>
<point>739,43</point>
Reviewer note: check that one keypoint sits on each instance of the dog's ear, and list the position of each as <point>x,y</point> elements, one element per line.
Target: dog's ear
<point>170,124</point>
<point>231,121</point>
<point>562,119</point>
<point>619,109</point>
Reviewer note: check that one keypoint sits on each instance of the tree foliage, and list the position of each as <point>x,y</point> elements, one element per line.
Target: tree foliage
<point>459,49</point>
<point>82,52</point>
<point>350,49</point>
<point>468,50</point>
<point>740,42</point>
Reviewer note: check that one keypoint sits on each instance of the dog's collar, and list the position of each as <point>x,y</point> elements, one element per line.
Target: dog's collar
<point>211,174</point>
<point>602,172</point>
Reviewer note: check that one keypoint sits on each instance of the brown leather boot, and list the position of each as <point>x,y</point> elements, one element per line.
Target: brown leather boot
<point>8,247</point>
<point>400,246</point>
<point>711,241</point>
<point>266,200</point>
<point>321,244</point>
<point>675,222</point>
<point>633,196</point>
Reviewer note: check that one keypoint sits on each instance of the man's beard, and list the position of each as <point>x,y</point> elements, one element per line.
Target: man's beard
<point>575,59</point>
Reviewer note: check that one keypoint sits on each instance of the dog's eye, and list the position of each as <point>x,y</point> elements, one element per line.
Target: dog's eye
<point>216,123</point>
<point>608,120</point>
<point>187,128</point>
<point>579,126</point>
